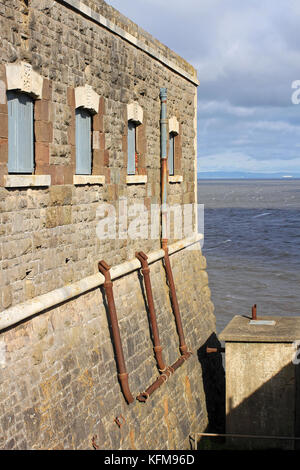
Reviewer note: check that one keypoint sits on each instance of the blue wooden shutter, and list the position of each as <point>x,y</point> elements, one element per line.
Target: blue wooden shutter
<point>20,133</point>
<point>83,142</point>
<point>171,154</point>
<point>131,148</point>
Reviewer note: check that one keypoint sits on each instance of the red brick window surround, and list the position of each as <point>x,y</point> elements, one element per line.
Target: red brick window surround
<point>19,79</point>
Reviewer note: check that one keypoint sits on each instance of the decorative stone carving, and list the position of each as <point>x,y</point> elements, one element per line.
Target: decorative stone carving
<point>87,98</point>
<point>173,125</point>
<point>135,113</point>
<point>22,77</point>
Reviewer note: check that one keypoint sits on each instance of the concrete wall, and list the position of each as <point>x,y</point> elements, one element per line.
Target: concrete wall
<point>260,393</point>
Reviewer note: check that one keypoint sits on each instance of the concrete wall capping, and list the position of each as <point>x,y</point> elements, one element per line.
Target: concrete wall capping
<point>101,20</point>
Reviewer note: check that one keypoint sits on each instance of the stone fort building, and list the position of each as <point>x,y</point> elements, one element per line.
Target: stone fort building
<point>98,132</point>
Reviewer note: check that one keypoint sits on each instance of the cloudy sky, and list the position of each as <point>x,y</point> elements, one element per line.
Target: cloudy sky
<point>247,54</point>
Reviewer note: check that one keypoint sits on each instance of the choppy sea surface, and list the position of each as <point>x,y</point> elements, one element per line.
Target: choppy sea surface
<point>252,246</point>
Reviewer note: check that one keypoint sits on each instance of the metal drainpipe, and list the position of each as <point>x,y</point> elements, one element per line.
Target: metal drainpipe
<point>164,241</point>
<point>164,176</point>
<point>122,373</point>
<point>142,257</point>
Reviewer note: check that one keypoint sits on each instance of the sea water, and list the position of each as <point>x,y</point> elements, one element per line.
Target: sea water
<point>252,246</point>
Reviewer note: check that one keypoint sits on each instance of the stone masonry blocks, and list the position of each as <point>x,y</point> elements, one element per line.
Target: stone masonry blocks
<point>59,386</point>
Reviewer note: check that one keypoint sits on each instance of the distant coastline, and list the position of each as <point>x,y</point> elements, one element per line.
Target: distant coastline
<point>244,175</point>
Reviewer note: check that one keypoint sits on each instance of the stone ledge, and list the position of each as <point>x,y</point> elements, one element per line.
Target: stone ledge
<point>136,179</point>
<point>23,181</point>
<point>42,302</point>
<point>88,179</point>
<point>175,179</point>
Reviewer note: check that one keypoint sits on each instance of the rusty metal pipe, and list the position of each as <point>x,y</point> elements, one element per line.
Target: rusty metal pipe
<point>214,350</point>
<point>143,396</point>
<point>176,311</point>
<point>122,373</point>
<point>254,312</point>
<point>142,257</point>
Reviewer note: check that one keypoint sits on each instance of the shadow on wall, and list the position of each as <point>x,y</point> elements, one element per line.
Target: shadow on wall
<point>214,385</point>
<point>272,410</point>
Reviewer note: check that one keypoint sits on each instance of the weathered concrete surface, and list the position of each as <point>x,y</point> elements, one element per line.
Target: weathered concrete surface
<point>262,382</point>
<point>286,329</point>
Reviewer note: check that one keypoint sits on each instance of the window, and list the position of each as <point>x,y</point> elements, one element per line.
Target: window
<point>132,154</point>
<point>134,119</point>
<point>171,153</point>
<point>83,142</point>
<point>20,133</point>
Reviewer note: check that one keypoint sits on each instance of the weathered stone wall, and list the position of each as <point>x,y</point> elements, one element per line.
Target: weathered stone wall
<point>58,376</point>
<point>48,235</point>
<point>58,381</point>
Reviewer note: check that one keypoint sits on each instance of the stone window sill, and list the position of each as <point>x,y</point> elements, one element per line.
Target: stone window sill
<point>88,179</point>
<point>175,179</point>
<point>136,179</point>
<point>23,181</point>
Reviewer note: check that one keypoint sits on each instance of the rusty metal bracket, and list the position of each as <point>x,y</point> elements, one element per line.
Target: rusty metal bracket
<point>95,446</point>
<point>254,312</point>
<point>214,350</point>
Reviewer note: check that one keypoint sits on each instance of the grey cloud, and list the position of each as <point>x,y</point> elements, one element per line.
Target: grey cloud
<point>247,56</point>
